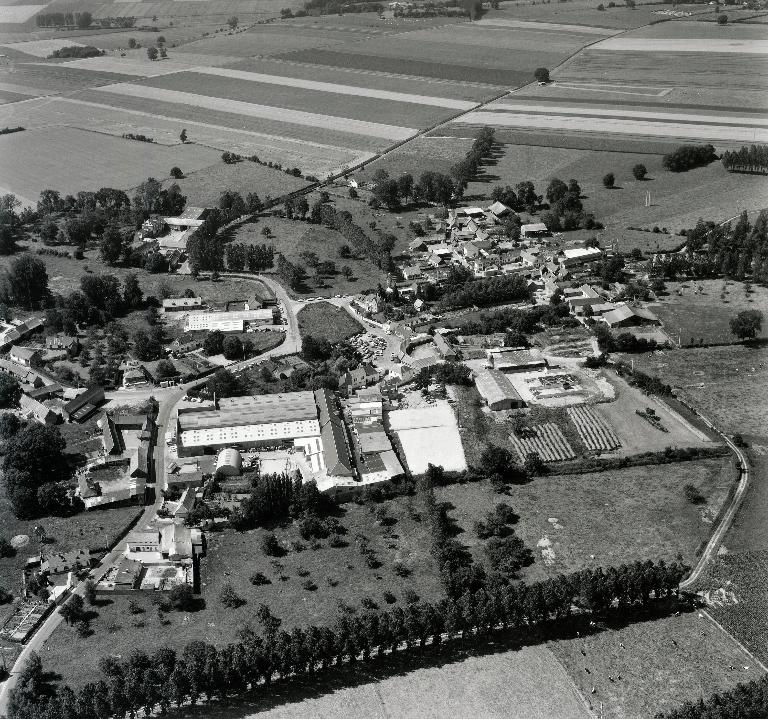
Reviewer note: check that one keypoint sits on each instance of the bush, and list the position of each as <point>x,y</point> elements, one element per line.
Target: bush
<point>541,74</point>
<point>229,597</point>
<point>176,173</point>
<point>688,157</point>
<point>271,547</point>
<point>389,598</point>
<point>309,585</point>
<point>722,19</point>
<point>258,579</point>
<point>609,180</point>
<point>693,495</point>
<point>639,171</point>
<point>182,598</point>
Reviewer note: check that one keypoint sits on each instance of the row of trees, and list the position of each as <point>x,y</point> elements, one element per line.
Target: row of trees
<point>165,678</point>
<point>80,20</point>
<point>10,224</point>
<point>752,158</point>
<point>467,168</point>
<point>745,701</point>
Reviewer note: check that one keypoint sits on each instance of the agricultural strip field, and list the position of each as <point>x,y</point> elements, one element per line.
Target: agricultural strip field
<point>652,666</point>
<point>546,440</point>
<point>55,78</point>
<point>617,125</point>
<point>604,518</point>
<point>353,103</point>
<point>469,684</point>
<point>728,384</point>
<point>102,161</point>
<point>264,112</point>
<point>703,317</point>
<point>368,79</point>
<point>138,65</point>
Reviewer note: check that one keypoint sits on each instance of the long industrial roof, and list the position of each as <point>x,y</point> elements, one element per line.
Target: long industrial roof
<point>495,386</point>
<point>260,409</point>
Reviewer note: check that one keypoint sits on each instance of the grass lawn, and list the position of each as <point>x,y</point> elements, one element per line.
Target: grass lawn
<point>728,384</point>
<point>340,575</point>
<point>602,519</point>
<point>326,321</point>
<point>662,664</point>
<point>703,317</point>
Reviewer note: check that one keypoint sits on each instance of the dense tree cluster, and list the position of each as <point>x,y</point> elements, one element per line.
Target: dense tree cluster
<point>745,701</point>
<point>34,470</point>
<point>623,342</point>
<point>746,325</point>
<point>486,291</point>
<point>735,251</point>
<point>444,373</point>
<point>77,51</point>
<point>687,157</point>
<point>752,158</point>
<point>24,283</point>
<point>291,275</point>
<point>80,20</point>
<point>523,321</point>
<point>253,258</point>
<point>10,224</point>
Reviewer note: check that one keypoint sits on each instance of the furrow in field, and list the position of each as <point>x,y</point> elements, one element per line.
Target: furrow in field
<point>339,89</point>
<point>265,112</point>
<point>617,126</point>
<point>639,114</point>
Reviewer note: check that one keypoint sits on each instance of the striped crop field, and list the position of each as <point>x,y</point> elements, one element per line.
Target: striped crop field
<point>546,440</point>
<point>594,431</point>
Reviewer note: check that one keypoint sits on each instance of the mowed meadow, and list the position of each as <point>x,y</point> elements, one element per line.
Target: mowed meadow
<point>318,94</point>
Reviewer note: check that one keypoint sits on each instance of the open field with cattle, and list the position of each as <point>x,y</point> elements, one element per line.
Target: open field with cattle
<point>634,671</point>
<point>570,522</point>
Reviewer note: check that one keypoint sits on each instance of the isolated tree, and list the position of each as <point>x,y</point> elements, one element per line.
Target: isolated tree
<point>639,171</point>
<point>165,368</point>
<point>722,19</point>
<point>541,74</point>
<point>747,324</point>
<point>25,283</point>
<point>346,270</point>
<point>111,246</point>
<point>609,180</point>
<point>232,22</point>
<point>183,135</point>
<point>152,53</point>
<point>132,44</point>
<point>73,610</point>
<point>133,297</point>
<point>345,252</point>
<point>176,173</point>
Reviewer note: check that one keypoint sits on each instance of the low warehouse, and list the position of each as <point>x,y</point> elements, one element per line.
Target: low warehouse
<point>229,463</point>
<point>497,391</point>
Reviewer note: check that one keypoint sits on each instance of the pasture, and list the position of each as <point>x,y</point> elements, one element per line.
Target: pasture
<point>699,312</point>
<point>654,665</point>
<point>601,519</point>
<point>728,384</point>
<point>92,160</point>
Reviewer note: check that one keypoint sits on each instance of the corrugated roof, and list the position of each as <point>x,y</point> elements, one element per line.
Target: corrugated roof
<point>335,451</point>
<point>494,386</point>
<point>261,409</point>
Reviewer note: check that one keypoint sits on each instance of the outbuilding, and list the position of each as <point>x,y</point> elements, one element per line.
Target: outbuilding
<point>229,463</point>
<point>497,391</point>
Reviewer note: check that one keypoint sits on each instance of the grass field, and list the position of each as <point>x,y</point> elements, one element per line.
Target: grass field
<point>603,519</point>
<point>661,664</point>
<point>323,320</point>
<point>340,575</point>
<point>728,384</point>
<point>703,317</point>
<point>111,161</point>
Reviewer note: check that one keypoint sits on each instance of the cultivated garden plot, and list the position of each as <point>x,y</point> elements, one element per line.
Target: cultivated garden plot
<point>594,431</point>
<point>546,440</point>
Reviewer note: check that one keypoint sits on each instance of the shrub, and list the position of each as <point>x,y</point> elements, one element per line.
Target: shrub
<point>410,596</point>
<point>309,585</point>
<point>722,19</point>
<point>389,598</point>
<point>176,173</point>
<point>229,597</point>
<point>258,579</point>
<point>639,171</point>
<point>609,180</point>
<point>271,547</point>
<point>134,607</point>
<point>693,495</point>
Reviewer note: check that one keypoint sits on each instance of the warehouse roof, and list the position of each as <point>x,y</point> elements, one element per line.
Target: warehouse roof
<point>494,386</point>
<point>336,454</point>
<point>624,312</point>
<point>261,409</point>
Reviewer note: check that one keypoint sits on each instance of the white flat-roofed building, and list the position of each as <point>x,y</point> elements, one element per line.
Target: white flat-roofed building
<point>580,255</point>
<point>515,359</point>
<point>227,321</point>
<point>249,421</point>
<point>179,304</point>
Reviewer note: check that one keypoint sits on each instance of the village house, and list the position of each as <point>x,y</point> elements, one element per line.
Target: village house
<point>26,356</point>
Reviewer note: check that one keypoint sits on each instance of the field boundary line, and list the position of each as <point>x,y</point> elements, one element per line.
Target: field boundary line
<point>569,679</point>
<point>734,639</point>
